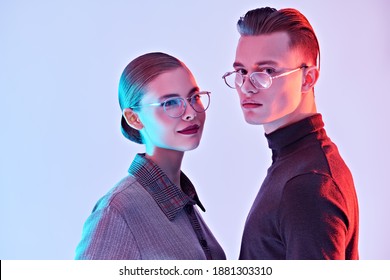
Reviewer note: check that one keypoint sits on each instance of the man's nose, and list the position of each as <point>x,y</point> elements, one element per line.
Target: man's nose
<point>248,87</point>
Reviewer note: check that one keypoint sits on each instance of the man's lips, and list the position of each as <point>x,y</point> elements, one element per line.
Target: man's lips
<point>192,129</point>
<point>249,104</point>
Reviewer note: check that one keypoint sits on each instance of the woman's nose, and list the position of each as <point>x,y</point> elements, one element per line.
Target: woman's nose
<point>189,112</point>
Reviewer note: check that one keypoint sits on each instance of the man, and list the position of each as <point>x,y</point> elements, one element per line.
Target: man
<point>306,207</point>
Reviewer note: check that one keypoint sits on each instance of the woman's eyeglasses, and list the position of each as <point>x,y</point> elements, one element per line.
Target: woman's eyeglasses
<point>176,106</point>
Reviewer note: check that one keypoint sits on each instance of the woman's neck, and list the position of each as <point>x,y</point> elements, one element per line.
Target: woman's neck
<point>169,161</point>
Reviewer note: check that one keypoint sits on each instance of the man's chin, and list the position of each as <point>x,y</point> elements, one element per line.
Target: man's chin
<point>253,121</point>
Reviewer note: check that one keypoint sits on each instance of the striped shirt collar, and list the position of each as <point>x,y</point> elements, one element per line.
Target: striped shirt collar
<point>170,198</point>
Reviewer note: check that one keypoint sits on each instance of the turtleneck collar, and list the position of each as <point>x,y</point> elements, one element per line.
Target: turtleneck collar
<point>288,135</point>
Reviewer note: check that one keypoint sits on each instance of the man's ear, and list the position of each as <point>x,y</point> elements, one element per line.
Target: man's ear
<point>310,79</point>
<point>132,119</point>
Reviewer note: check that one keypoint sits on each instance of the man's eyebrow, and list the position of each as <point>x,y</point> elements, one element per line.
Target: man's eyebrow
<point>267,62</point>
<point>259,63</point>
<point>237,64</point>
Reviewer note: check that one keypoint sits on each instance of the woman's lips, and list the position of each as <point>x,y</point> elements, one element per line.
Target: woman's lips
<point>192,129</point>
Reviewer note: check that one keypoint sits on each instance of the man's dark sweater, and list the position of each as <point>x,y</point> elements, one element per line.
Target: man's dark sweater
<point>307,206</point>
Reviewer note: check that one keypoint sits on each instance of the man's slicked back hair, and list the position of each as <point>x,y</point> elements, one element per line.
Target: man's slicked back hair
<point>269,20</point>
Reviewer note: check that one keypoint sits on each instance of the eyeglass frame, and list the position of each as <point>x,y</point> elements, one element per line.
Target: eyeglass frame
<point>271,78</point>
<point>183,99</point>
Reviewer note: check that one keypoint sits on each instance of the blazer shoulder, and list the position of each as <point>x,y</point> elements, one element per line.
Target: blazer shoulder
<point>127,189</point>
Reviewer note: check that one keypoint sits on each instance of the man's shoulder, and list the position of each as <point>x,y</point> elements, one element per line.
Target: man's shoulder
<point>318,186</point>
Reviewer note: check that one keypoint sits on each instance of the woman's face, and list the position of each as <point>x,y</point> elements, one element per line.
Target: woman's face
<point>160,131</point>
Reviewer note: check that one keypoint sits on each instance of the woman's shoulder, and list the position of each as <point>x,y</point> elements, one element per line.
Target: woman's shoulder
<point>126,192</point>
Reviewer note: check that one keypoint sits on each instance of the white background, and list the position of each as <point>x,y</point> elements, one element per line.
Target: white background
<point>61,146</point>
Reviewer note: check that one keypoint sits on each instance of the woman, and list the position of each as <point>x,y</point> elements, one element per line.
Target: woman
<point>151,213</point>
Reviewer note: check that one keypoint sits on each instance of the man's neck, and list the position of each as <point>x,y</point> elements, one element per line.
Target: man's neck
<point>305,109</point>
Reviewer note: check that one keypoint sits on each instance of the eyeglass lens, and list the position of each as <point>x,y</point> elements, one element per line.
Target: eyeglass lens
<point>261,80</point>
<point>175,107</point>
<point>258,79</point>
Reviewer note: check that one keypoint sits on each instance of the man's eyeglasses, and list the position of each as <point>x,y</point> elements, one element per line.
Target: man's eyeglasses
<point>261,80</point>
<point>176,106</point>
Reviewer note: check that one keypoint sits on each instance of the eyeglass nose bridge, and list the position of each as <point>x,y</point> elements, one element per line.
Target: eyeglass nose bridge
<point>188,115</point>
<point>192,102</point>
<point>253,81</point>
<point>176,112</point>
<point>183,107</point>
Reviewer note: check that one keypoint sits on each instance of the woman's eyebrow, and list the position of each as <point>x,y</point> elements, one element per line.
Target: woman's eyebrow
<point>169,95</point>
<point>166,96</point>
<point>192,91</point>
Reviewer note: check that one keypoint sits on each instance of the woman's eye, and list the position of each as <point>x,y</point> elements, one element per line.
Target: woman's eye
<point>195,97</point>
<point>172,102</point>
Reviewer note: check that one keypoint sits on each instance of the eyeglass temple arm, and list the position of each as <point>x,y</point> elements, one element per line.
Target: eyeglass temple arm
<point>289,72</point>
<point>152,104</point>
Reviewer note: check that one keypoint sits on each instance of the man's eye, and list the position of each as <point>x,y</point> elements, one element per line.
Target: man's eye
<point>242,71</point>
<point>268,70</point>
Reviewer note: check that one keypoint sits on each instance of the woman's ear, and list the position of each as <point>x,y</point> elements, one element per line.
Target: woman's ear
<point>310,79</point>
<point>132,119</point>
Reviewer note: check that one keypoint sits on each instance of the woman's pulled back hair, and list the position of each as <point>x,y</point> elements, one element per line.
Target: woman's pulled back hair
<point>134,80</point>
<point>268,20</point>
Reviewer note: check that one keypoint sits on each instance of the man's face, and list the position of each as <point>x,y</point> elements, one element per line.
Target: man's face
<point>276,106</point>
